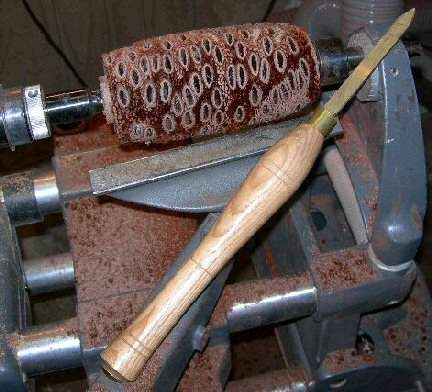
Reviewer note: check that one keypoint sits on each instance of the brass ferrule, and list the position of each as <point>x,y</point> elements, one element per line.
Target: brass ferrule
<point>323,120</point>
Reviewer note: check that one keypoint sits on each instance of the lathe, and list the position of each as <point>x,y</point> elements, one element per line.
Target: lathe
<point>331,278</point>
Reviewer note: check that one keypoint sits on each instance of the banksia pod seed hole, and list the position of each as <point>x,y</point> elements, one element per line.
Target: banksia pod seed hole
<point>254,62</point>
<point>218,117</point>
<point>239,114</point>
<point>177,105</point>
<point>144,65</point>
<point>107,59</point>
<point>207,46</point>
<point>132,56</point>
<point>205,112</point>
<point>207,75</point>
<point>216,98</point>
<point>155,63</point>
<point>136,131</point>
<point>231,77</point>
<point>240,50</point>
<point>292,80</point>
<point>196,54</point>
<point>284,92</point>
<point>167,64</point>
<point>188,97</point>
<point>241,76</point>
<point>196,84</point>
<point>275,96</point>
<point>149,95</point>
<point>204,130</point>
<point>188,119</point>
<point>300,79</point>
<point>264,71</point>
<point>229,39</point>
<point>168,123</point>
<point>165,91</point>
<point>167,45</point>
<point>183,57</point>
<point>218,55</point>
<point>244,34</point>
<point>255,95</point>
<point>280,61</point>
<point>136,80</point>
<point>123,97</point>
<point>121,70</point>
<point>293,46</point>
<point>267,46</point>
<point>149,135</point>
<point>304,66</point>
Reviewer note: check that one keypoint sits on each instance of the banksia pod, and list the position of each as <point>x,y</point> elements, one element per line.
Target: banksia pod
<point>208,82</point>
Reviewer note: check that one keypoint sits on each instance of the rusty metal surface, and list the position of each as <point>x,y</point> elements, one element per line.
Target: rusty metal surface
<point>276,380</point>
<point>149,375</point>
<point>397,336</point>
<point>354,153</point>
<point>410,337</point>
<point>120,253</point>
<point>130,258</point>
<point>207,371</point>
<point>102,319</point>
<point>122,247</point>
<point>107,317</point>
<point>342,269</point>
<point>255,352</point>
<point>343,360</point>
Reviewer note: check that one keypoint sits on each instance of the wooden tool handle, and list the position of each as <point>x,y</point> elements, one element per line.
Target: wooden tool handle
<point>276,177</point>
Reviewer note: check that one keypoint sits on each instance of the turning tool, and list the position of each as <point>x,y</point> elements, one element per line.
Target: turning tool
<point>269,185</point>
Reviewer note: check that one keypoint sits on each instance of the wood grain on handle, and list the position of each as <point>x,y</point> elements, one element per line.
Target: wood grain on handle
<point>276,177</point>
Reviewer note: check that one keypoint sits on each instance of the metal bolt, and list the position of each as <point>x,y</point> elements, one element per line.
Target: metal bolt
<point>32,93</point>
